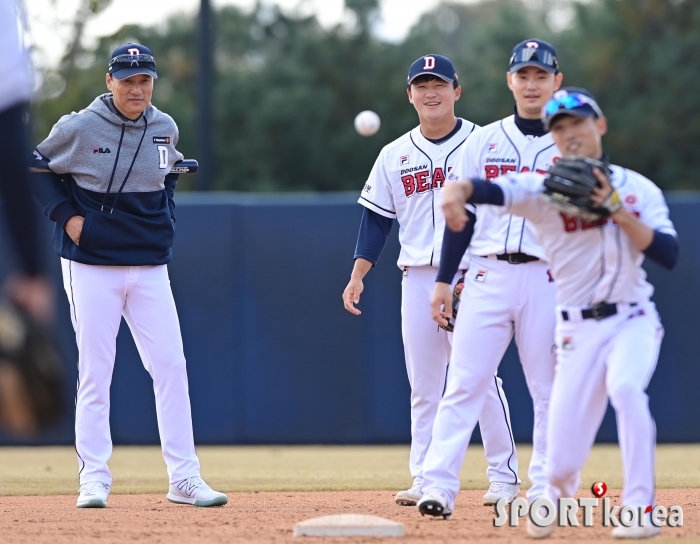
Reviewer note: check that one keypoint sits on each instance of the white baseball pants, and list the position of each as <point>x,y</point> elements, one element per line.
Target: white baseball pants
<point>612,358</point>
<point>427,350</point>
<point>499,299</point>
<point>99,296</point>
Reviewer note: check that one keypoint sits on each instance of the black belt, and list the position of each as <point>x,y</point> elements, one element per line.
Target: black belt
<point>516,258</point>
<point>598,312</point>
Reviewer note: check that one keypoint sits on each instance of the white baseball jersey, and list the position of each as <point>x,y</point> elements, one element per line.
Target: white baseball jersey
<point>492,151</point>
<point>16,77</point>
<point>591,262</point>
<point>406,184</point>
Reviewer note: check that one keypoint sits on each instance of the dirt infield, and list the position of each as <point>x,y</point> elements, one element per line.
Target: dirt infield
<point>271,516</point>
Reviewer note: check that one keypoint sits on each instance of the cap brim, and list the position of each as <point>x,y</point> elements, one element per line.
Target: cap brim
<point>128,72</point>
<point>576,112</point>
<point>544,67</point>
<point>439,76</point>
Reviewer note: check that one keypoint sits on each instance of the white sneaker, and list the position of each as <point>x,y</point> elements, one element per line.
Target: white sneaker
<point>647,531</point>
<point>499,490</point>
<point>93,495</point>
<point>409,497</point>
<point>434,503</point>
<point>195,492</point>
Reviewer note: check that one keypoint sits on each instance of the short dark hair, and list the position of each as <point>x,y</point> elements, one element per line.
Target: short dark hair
<point>424,78</point>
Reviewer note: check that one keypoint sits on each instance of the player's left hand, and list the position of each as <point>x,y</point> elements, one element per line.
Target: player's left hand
<point>599,194</point>
<point>605,196</point>
<point>454,197</point>
<point>351,295</point>
<point>441,303</point>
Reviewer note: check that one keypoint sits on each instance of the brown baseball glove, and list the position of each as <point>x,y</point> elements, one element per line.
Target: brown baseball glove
<point>31,372</point>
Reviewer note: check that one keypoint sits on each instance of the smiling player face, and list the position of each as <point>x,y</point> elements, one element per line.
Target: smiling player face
<point>532,87</point>
<point>132,95</point>
<point>434,100</point>
<point>579,135</point>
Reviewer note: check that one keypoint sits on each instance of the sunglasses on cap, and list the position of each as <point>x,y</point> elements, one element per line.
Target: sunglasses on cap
<point>570,102</point>
<point>133,60</point>
<point>534,54</point>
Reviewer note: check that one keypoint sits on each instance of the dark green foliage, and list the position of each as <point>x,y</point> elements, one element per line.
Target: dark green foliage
<point>641,58</point>
<point>287,90</point>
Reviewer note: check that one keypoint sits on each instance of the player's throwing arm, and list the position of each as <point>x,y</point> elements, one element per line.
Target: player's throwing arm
<point>597,222</point>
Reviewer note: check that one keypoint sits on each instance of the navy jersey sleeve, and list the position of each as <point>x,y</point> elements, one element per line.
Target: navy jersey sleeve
<point>454,246</point>
<point>16,192</point>
<point>374,232</point>
<point>663,249</point>
<point>486,193</point>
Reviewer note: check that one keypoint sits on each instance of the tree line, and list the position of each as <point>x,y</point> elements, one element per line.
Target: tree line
<point>286,90</point>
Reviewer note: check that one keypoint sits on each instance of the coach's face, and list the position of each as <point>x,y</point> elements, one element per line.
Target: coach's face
<point>132,95</point>
<point>532,87</point>
<point>579,135</point>
<point>434,99</point>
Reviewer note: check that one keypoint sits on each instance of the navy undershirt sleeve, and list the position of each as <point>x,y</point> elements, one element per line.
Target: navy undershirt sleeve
<point>374,232</point>
<point>454,245</point>
<point>486,193</point>
<point>663,249</point>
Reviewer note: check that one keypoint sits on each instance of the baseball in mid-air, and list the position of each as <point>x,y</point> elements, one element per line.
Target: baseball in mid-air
<point>367,123</point>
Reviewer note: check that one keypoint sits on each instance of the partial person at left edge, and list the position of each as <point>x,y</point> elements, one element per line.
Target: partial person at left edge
<point>30,370</point>
<point>103,177</point>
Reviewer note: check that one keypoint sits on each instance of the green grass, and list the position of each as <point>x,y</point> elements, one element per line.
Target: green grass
<point>53,470</point>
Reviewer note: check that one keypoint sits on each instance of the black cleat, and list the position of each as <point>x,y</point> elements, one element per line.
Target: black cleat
<point>434,507</point>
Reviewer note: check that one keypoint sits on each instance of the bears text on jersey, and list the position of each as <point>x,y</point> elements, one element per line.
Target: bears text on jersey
<point>422,181</point>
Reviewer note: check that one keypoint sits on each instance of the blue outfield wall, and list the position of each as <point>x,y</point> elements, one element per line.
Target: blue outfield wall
<point>274,358</point>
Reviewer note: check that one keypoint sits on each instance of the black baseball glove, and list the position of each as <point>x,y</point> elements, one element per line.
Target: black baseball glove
<point>569,184</point>
<point>456,298</point>
<point>31,373</point>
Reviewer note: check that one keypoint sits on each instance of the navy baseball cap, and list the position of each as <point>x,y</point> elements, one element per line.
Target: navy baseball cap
<point>131,59</point>
<point>434,65</point>
<point>534,53</point>
<point>570,101</point>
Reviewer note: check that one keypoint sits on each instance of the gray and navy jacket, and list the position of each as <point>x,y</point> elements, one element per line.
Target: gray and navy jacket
<point>115,173</point>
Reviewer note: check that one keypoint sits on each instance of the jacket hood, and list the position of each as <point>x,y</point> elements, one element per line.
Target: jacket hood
<point>101,106</point>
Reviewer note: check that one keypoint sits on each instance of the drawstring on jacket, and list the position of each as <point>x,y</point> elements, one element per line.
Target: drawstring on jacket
<point>114,169</point>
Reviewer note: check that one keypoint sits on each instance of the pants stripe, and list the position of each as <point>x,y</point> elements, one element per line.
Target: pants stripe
<point>510,432</point>
<point>77,387</point>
